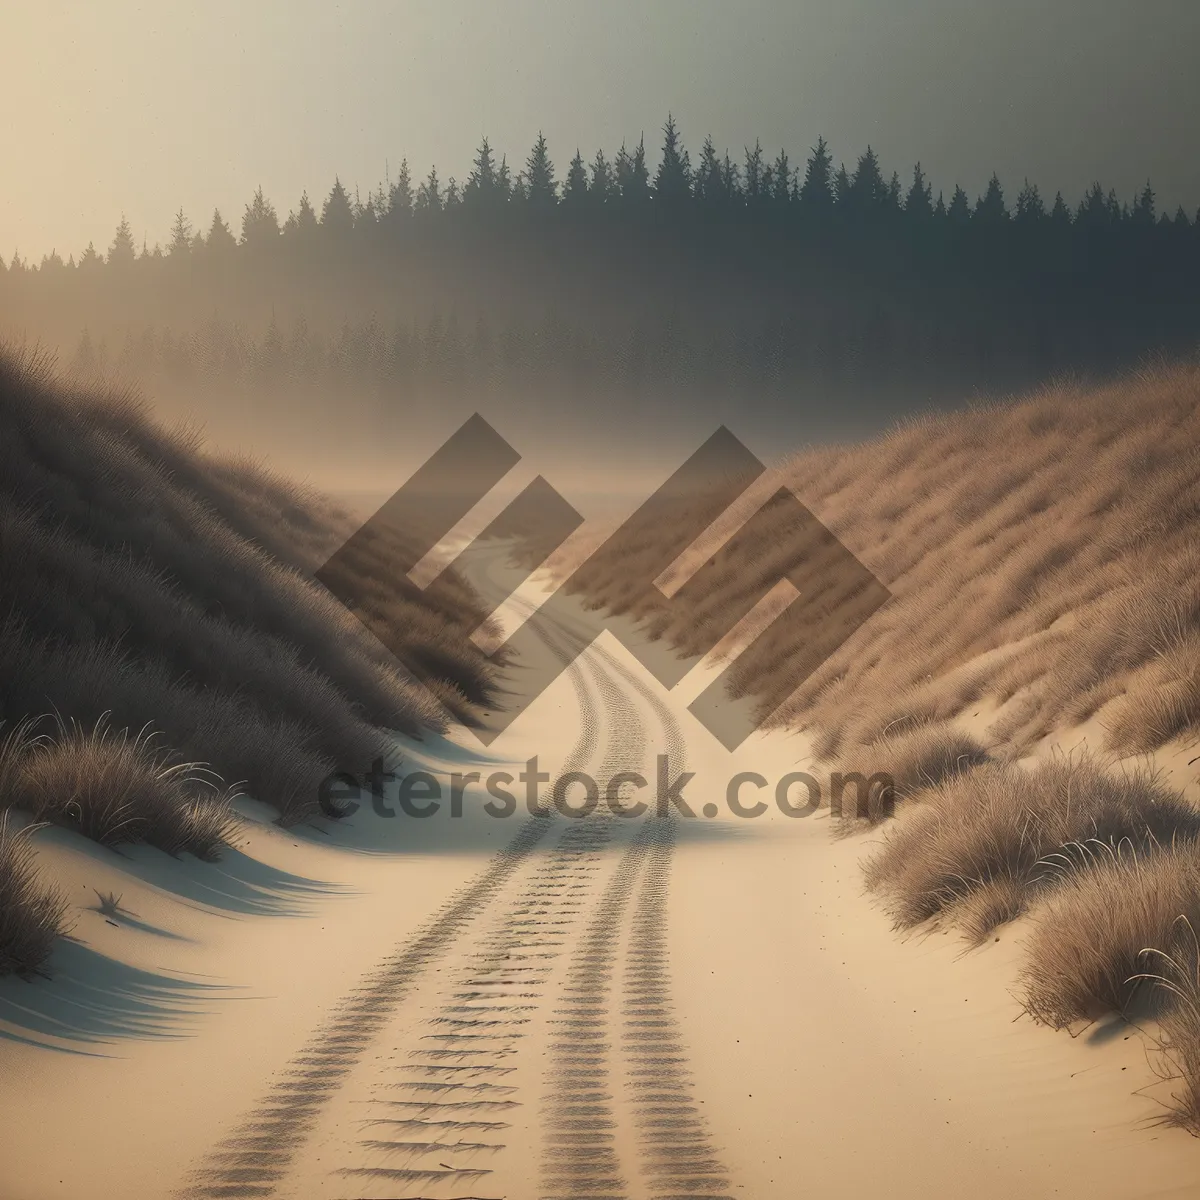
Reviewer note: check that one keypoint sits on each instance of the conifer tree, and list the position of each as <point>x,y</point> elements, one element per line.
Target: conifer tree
<point>753,175</point>
<point>622,169</point>
<point>366,215</point>
<point>1143,209</point>
<point>633,176</point>
<point>400,195</point>
<point>122,251</point>
<point>181,236</point>
<point>990,208</point>
<point>337,214</point>
<point>891,197</point>
<point>918,203</point>
<point>541,191</point>
<point>816,191</point>
<point>782,181</point>
<point>673,180</point>
<point>707,184</point>
<point>732,192</point>
<point>768,183</point>
<point>868,191</point>
<point>429,194</point>
<point>842,187</point>
<point>482,186</point>
<point>603,186</point>
<point>505,185</point>
<point>219,240</point>
<point>1030,208</point>
<point>1116,212</point>
<point>959,210</point>
<point>303,222</point>
<point>260,224</point>
<point>1093,211</point>
<point>575,189</point>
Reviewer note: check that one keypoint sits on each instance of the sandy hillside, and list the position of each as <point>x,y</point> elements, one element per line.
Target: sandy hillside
<point>398,1007</point>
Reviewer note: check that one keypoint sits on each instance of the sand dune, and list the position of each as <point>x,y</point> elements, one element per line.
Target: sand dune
<point>473,1006</point>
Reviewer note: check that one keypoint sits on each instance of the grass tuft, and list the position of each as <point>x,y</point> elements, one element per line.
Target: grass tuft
<point>108,904</point>
<point>983,845</point>
<point>1087,952</point>
<point>1176,973</point>
<point>31,916</point>
<point>116,788</point>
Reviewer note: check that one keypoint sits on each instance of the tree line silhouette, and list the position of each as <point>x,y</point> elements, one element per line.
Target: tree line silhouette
<point>755,272</point>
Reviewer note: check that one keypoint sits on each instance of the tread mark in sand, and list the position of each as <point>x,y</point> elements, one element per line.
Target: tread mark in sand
<point>252,1162</point>
<point>679,1161</point>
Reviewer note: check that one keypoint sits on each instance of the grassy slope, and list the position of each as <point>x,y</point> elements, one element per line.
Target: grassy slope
<point>144,584</point>
<point>1043,557</point>
<point>1058,532</point>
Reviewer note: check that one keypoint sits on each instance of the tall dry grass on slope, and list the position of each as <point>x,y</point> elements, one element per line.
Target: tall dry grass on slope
<point>1121,937</point>
<point>1042,551</point>
<point>114,787</point>
<point>1042,556</point>
<point>32,916</point>
<point>982,846</point>
<point>142,579</point>
<point>1088,950</point>
<point>145,586</point>
<point>1064,525</point>
<point>912,762</point>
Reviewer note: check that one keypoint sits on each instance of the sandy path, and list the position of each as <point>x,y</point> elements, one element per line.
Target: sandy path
<point>618,1008</point>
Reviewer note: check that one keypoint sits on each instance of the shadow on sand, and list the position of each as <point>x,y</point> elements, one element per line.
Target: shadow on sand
<point>91,999</point>
<point>474,832</point>
<point>235,884</point>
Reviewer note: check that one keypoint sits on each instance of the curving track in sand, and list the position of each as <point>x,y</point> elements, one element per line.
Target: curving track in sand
<point>524,1041</point>
<point>625,1009</point>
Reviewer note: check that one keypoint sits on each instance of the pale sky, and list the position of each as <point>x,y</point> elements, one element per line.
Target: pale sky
<point>141,108</point>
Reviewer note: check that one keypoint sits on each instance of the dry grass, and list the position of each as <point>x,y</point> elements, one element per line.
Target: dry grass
<point>115,788</point>
<point>1041,551</point>
<point>145,579</point>
<point>31,916</point>
<point>16,743</point>
<point>1077,972</point>
<point>146,585</point>
<point>921,757</point>
<point>108,904</point>
<point>1086,952</point>
<point>1175,972</point>
<point>1042,557</point>
<point>983,845</point>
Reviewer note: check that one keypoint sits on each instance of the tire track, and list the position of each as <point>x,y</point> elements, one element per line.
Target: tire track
<point>457,1081</point>
<point>478,1026</point>
<point>253,1161</point>
<point>617,1075</point>
<point>580,1154</point>
<point>679,1159</point>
